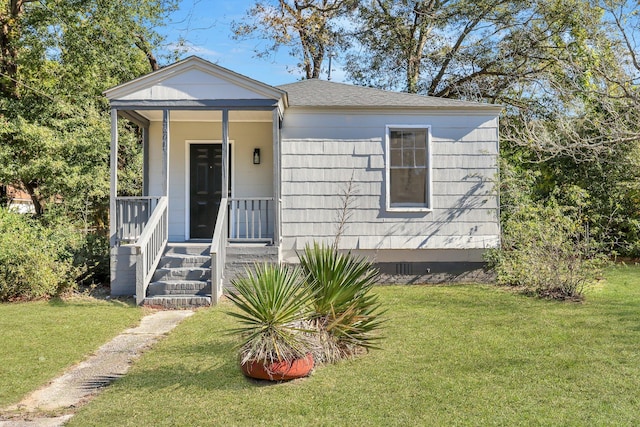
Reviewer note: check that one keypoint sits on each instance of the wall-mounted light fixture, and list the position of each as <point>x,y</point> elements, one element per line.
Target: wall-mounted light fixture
<point>256,156</point>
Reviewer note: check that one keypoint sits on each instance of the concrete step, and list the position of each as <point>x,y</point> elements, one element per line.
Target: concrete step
<point>187,273</point>
<point>178,301</point>
<point>188,248</point>
<point>184,260</point>
<point>186,287</point>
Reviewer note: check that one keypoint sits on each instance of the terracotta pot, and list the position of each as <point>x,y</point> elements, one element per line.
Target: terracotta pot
<point>279,371</point>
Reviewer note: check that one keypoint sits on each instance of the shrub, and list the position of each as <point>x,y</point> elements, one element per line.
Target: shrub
<point>92,258</point>
<point>35,262</point>
<point>344,312</point>
<point>545,251</point>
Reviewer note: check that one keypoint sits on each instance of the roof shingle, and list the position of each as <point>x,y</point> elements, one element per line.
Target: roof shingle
<point>322,93</point>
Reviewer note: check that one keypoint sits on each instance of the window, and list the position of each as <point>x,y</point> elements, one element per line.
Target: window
<point>408,168</point>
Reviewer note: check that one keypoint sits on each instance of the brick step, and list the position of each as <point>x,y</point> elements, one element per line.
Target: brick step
<point>186,287</point>
<point>178,301</point>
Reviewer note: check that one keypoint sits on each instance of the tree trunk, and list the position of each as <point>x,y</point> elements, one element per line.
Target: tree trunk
<point>4,197</point>
<point>145,47</point>
<point>38,204</point>
<point>9,33</point>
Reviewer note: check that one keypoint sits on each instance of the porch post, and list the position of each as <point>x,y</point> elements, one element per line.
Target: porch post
<point>276,176</point>
<point>165,152</point>
<point>113,167</point>
<point>225,153</point>
<point>145,161</point>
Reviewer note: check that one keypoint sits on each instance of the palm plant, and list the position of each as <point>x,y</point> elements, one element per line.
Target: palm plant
<point>345,313</point>
<point>273,306</point>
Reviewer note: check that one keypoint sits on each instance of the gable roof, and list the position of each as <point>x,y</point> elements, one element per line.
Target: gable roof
<point>322,93</point>
<point>197,73</point>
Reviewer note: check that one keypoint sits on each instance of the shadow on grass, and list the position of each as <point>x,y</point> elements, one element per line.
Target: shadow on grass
<point>81,300</point>
<point>210,366</point>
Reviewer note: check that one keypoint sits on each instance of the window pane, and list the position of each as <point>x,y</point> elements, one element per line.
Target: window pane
<point>407,158</point>
<point>396,158</point>
<point>408,139</point>
<point>420,138</point>
<point>421,157</point>
<point>408,186</point>
<point>396,139</point>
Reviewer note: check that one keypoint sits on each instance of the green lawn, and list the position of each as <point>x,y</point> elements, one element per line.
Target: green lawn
<point>453,355</point>
<point>39,340</point>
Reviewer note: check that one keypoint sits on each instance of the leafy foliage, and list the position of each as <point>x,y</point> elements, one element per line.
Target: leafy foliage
<point>35,261</point>
<point>546,249</point>
<point>327,310</point>
<point>344,311</point>
<point>57,58</point>
<point>274,305</point>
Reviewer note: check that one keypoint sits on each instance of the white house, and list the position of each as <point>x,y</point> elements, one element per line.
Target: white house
<point>230,160</point>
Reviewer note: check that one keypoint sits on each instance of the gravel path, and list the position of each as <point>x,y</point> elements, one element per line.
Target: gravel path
<point>54,404</point>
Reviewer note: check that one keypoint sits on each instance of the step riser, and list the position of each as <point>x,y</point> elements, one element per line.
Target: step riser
<point>179,288</point>
<point>182,262</point>
<point>202,274</point>
<point>178,302</point>
<point>179,293</point>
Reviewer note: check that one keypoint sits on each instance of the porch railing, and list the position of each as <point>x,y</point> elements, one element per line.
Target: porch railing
<point>132,215</point>
<point>252,219</point>
<point>218,251</point>
<point>150,246</point>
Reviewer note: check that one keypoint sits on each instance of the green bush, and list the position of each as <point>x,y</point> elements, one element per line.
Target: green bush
<point>36,261</point>
<point>92,258</point>
<point>546,251</point>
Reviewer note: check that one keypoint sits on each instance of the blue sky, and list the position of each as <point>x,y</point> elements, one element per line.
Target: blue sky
<point>205,25</point>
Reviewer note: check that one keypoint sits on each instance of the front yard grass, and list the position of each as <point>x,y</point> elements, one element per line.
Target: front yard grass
<point>39,340</point>
<point>453,355</point>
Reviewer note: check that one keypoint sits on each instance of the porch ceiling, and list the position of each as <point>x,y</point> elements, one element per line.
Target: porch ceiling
<point>208,116</point>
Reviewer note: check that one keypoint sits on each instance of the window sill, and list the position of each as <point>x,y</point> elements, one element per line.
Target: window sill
<point>408,209</point>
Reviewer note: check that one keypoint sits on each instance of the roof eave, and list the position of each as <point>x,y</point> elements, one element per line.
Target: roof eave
<point>480,107</point>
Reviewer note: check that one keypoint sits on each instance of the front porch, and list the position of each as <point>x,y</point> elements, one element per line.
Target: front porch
<point>188,272</point>
<point>211,172</point>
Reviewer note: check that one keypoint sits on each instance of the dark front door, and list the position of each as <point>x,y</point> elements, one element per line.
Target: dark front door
<point>205,189</point>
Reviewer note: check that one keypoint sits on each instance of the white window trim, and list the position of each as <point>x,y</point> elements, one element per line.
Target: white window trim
<point>387,170</point>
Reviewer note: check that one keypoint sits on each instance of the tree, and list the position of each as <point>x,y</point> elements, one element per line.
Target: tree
<point>57,58</point>
<point>309,28</point>
<point>489,49</point>
<point>592,104</point>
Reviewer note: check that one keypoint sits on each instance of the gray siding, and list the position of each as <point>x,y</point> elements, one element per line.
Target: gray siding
<point>321,153</point>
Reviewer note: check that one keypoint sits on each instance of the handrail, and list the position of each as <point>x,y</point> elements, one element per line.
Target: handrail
<point>218,251</point>
<point>150,246</point>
